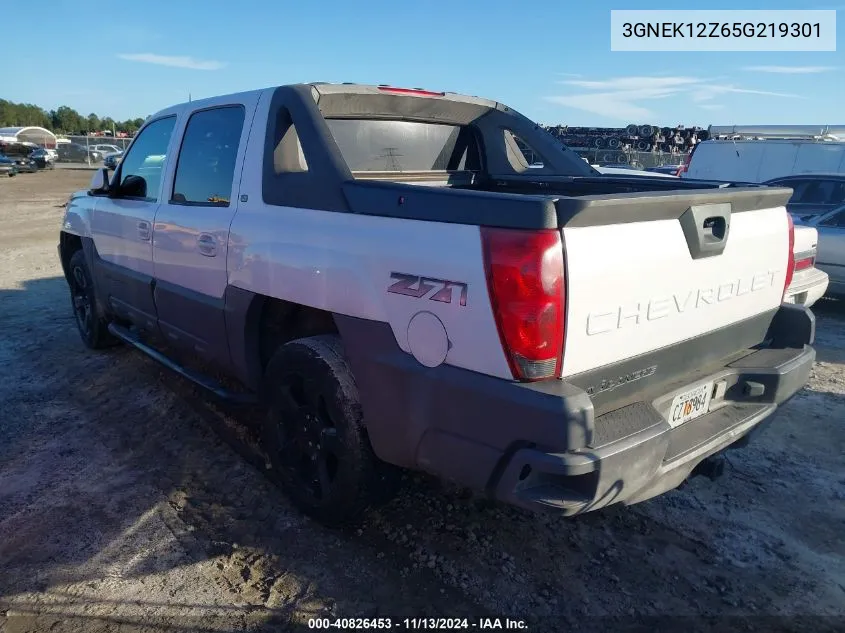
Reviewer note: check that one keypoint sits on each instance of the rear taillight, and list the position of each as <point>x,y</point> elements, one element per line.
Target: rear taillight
<point>525,280</point>
<point>790,259</point>
<point>805,263</point>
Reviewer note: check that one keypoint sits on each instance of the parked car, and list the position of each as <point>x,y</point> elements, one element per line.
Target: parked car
<point>763,160</point>
<point>813,193</point>
<point>382,268</point>
<point>19,153</point>
<point>25,165</point>
<point>105,149</point>
<point>809,283</point>
<point>831,249</point>
<point>8,166</point>
<point>75,153</point>
<point>43,159</point>
<point>110,161</point>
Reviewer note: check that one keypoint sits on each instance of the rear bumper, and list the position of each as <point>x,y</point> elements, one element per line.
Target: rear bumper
<point>657,458</point>
<point>807,287</point>
<point>542,445</point>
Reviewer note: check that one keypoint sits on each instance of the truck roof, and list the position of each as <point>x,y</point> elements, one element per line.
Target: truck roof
<point>341,100</point>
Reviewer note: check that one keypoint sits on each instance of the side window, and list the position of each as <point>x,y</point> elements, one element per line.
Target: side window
<point>837,220</point>
<point>206,165</point>
<point>140,171</point>
<point>837,196</point>
<point>814,192</point>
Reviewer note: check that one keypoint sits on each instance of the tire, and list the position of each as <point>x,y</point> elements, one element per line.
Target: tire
<point>314,434</point>
<point>92,327</point>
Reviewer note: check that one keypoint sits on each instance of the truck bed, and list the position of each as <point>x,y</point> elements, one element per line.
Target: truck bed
<point>550,202</point>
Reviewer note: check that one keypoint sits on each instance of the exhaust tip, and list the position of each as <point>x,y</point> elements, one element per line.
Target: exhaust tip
<point>712,467</point>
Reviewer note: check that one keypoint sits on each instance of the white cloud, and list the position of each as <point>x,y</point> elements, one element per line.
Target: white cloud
<point>712,106</point>
<point>569,75</point>
<point>709,91</point>
<point>790,70</point>
<point>174,61</point>
<point>604,104</point>
<point>634,83</point>
<point>622,98</point>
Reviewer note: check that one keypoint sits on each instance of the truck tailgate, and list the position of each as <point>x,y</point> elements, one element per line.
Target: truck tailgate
<point>639,286</point>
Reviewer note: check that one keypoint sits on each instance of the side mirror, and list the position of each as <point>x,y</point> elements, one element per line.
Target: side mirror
<point>100,181</point>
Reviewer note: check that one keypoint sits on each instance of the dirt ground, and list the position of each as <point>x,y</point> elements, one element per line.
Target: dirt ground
<point>128,502</point>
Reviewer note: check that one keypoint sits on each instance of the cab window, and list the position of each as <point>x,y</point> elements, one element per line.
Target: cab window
<point>142,166</point>
<point>205,169</point>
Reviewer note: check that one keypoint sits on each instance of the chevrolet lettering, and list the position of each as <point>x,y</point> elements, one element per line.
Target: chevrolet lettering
<point>636,313</point>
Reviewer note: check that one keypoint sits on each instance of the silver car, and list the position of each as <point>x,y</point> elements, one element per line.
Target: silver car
<point>831,249</point>
<point>813,194</point>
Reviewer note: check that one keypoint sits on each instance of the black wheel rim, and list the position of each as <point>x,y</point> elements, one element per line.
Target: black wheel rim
<point>81,301</point>
<point>307,443</point>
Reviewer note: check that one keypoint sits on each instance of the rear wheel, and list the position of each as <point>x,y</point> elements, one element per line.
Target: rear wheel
<point>314,433</point>
<point>92,328</point>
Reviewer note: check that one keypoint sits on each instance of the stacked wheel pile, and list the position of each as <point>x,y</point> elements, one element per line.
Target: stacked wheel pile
<point>614,145</point>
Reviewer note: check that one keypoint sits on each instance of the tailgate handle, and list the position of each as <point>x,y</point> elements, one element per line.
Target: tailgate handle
<point>706,228</point>
<point>715,227</point>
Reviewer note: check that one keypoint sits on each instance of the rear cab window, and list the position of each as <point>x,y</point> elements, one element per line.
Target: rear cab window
<point>376,146</point>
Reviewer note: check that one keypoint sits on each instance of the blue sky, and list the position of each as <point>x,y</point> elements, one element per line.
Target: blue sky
<point>547,59</point>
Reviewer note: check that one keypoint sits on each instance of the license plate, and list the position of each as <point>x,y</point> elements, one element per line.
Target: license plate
<point>690,404</point>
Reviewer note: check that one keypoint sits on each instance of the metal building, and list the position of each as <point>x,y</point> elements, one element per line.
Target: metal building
<point>29,134</point>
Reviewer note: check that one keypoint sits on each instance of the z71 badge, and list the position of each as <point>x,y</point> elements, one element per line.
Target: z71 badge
<point>421,287</point>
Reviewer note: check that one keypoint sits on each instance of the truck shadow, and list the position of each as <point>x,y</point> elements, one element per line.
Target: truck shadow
<point>115,486</point>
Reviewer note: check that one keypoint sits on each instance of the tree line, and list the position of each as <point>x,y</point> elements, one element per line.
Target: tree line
<point>63,120</point>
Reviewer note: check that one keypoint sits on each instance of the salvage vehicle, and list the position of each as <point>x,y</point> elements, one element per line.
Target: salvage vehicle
<point>110,161</point>
<point>830,228</point>
<point>809,283</point>
<point>43,159</point>
<point>812,194</point>
<point>384,270</point>
<point>19,154</point>
<point>76,153</point>
<point>763,160</point>
<point>8,166</point>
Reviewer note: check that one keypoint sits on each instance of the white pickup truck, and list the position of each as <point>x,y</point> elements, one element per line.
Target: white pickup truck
<point>385,270</point>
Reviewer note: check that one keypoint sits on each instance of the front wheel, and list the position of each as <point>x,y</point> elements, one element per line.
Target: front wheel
<point>92,328</point>
<point>314,432</point>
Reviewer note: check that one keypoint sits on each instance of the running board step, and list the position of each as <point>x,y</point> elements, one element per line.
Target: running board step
<point>195,377</point>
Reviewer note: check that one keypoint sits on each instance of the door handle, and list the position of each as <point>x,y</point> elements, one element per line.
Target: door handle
<point>144,231</point>
<point>207,244</point>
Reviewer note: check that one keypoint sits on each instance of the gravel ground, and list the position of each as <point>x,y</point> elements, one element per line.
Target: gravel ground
<point>131,503</point>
